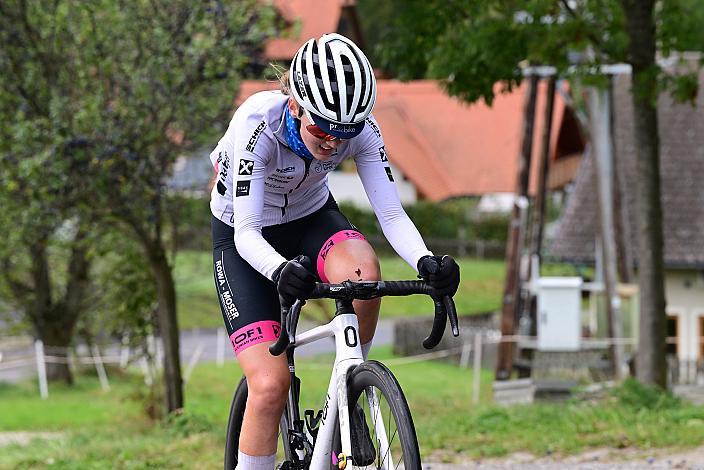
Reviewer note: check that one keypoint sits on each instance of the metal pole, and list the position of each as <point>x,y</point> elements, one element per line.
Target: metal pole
<point>509,310</point>
<point>600,117</point>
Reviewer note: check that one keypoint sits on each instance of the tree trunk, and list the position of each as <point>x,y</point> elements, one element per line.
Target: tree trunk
<point>54,322</point>
<point>651,364</point>
<point>168,324</point>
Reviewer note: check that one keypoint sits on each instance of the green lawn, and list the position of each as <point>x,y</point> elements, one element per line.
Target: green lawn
<point>108,430</point>
<point>480,290</point>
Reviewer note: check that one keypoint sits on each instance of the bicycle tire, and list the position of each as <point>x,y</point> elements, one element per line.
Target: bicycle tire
<point>234,424</point>
<point>392,402</point>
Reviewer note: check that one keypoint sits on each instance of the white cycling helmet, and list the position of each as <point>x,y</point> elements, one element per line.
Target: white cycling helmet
<point>341,94</point>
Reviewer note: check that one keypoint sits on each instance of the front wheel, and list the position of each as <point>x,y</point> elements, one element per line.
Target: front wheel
<point>382,431</point>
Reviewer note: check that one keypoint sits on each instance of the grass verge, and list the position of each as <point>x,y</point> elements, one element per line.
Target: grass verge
<point>108,430</point>
<point>480,290</point>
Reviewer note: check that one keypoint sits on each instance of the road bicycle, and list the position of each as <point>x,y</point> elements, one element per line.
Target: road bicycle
<point>365,421</point>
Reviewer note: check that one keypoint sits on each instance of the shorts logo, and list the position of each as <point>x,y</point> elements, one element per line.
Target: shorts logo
<point>255,136</point>
<point>242,188</point>
<point>246,167</point>
<point>382,154</point>
<point>388,173</point>
<point>326,248</point>
<point>229,305</point>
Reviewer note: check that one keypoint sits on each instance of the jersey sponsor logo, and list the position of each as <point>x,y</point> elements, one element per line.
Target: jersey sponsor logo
<point>389,174</point>
<point>382,154</point>
<point>223,165</point>
<point>324,166</point>
<point>374,127</point>
<point>242,188</point>
<point>255,137</point>
<point>288,169</point>
<point>246,167</point>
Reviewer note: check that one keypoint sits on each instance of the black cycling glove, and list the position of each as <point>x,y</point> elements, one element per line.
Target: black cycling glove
<point>294,279</point>
<point>442,273</point>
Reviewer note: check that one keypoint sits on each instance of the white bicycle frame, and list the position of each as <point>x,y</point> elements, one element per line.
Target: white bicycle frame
<point>348,354</point>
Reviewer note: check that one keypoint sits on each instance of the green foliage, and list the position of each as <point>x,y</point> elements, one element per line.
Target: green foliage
<point>186,423</point>
<point>449,219</point>
<point>472,46</point>
<point>642,397</point>
<point>124,298</point>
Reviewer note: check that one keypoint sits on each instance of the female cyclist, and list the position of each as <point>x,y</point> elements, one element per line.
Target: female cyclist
<point>273,213</point>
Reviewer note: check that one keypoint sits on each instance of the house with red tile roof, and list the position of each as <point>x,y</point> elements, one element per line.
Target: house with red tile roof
<point>442,147</point>
<point>447,148</point>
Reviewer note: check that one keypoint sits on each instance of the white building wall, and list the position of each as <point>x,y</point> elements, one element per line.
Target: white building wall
<point>684,292</point>
<point>347,187</point>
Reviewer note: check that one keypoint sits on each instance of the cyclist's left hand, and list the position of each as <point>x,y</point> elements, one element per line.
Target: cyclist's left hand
<point>442,273</point>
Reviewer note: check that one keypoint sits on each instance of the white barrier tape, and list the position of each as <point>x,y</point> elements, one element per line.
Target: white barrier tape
<point>15,364</point>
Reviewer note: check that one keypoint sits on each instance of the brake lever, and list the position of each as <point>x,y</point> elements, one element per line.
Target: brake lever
<point>449,304</point>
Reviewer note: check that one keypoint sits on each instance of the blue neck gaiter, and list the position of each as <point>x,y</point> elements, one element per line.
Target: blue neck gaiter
<point>292,134</point>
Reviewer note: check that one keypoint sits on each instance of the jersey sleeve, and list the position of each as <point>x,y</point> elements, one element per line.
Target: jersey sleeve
<point>378,181</point>
<point>252,148</point>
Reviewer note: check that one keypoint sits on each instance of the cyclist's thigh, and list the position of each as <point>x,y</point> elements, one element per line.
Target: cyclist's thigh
<point>248,301</point>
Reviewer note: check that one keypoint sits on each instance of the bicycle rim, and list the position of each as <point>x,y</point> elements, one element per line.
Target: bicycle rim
<point>373,388</point>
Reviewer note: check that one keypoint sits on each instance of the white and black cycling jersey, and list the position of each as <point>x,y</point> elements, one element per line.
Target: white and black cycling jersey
<point>262,182</point>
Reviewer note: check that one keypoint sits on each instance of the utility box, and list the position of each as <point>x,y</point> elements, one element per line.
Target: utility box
<point>559,313</point>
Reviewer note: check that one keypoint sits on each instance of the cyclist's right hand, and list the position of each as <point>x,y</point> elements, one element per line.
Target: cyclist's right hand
<point>294,279</point>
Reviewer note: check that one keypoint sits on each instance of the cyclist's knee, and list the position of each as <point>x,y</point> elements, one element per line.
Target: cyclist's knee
<point>268,389</point>
<point>354,260</point>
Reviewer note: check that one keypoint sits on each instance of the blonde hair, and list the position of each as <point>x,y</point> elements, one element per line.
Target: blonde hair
<point>282,76</point>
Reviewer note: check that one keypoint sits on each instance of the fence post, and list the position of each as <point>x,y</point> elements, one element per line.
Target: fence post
<point>480,248</point>
<point>144,365</point>
<point>124,351</point>
<point>98,361</point>
<point>477,367</point>
<point>192,363</point>
<point>41,369</point>
<point>464,357</point>
<point>220,354</point>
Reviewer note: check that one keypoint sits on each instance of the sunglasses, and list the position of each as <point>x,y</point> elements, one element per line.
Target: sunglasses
<point>317,132</point>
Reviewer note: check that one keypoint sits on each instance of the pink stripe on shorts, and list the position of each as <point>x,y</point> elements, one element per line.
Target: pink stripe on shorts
<point>255,333</point>
<point>340,236</point>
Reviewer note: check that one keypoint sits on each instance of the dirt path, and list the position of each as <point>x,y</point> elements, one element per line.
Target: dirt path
<point>596,459</point>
